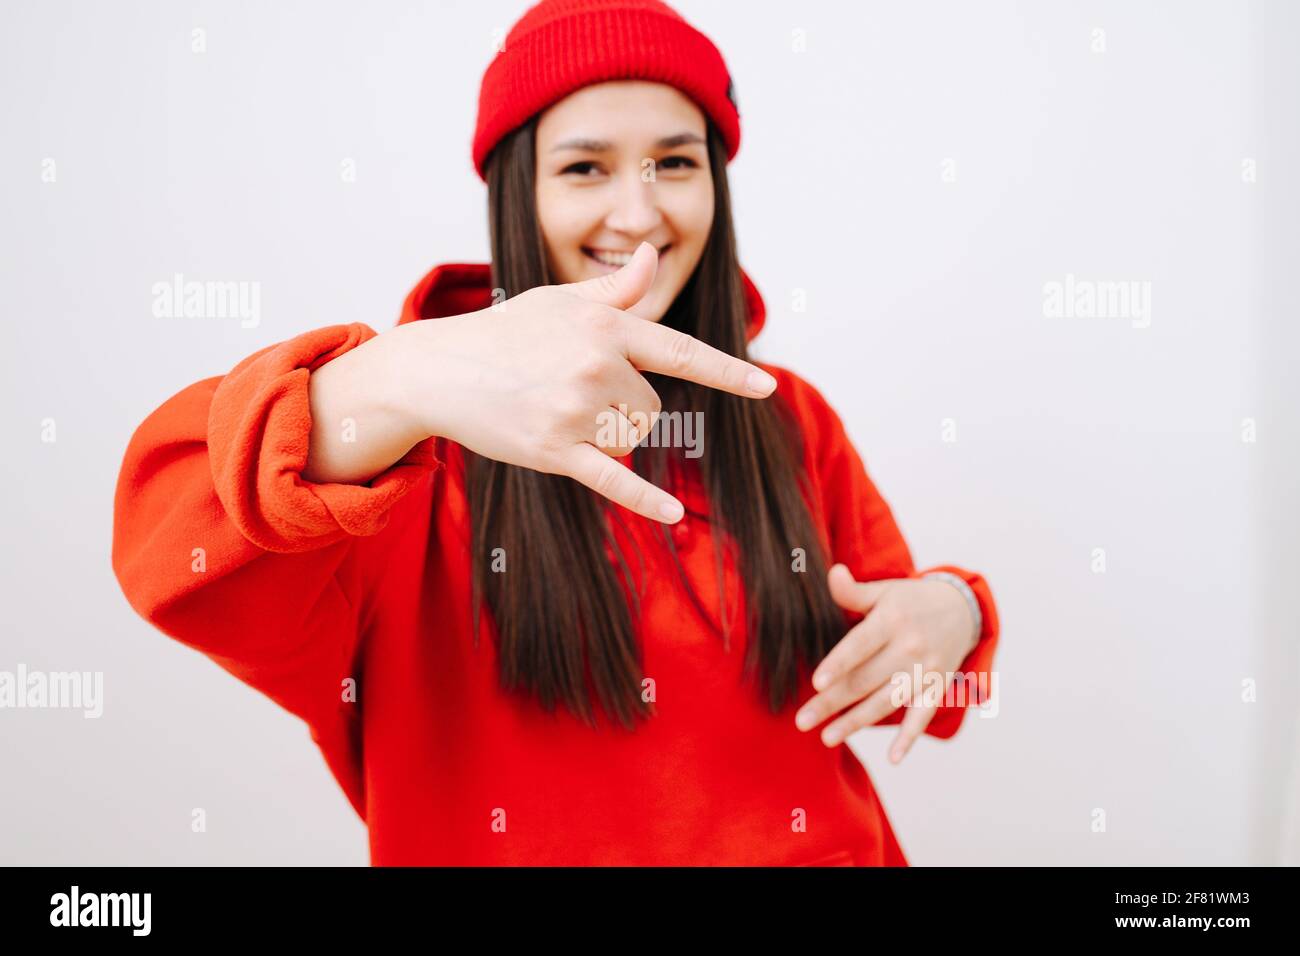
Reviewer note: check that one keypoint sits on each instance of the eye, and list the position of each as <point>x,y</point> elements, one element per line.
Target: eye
<point>579,169</point>
<point>686,162</point>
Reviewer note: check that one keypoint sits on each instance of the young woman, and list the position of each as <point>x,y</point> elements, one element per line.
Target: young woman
<point>515,639</point>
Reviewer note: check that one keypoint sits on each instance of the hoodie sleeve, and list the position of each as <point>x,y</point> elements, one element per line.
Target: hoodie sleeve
<point>864,536</point>
<point>220,542</point>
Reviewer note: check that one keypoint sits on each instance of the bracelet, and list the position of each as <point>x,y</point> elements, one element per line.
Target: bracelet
<point>971,600</point>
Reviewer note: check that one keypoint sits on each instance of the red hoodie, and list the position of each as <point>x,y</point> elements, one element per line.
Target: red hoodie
<point>303,590</point>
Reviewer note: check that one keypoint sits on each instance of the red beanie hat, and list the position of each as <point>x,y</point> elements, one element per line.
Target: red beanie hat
<point>559,46</point>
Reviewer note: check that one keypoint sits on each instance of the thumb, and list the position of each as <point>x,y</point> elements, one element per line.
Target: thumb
<point>852,595</point>
<point>624,288</point>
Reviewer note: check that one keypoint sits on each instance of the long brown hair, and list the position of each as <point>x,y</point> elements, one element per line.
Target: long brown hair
<point>564,628</point>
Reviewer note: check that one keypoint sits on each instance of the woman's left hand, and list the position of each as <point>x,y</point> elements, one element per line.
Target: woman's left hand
<point>909,621</point>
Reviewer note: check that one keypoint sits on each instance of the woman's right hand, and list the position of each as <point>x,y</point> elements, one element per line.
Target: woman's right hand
<point>532,381</point>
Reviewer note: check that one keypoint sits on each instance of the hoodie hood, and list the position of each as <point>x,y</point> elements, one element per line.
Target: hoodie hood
<point>459,287</point>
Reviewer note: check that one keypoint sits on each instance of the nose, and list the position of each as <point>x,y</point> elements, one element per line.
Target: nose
<point>635,210</point>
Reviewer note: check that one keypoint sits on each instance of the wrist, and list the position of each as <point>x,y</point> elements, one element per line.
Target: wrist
<point>405,371</point>
<point>971,601</point>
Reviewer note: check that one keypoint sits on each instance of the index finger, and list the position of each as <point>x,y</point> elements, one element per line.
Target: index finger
<point>862,642</point>
<point>652,347</point>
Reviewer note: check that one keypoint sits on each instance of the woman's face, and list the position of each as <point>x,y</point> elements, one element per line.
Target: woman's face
<point>620,163</point>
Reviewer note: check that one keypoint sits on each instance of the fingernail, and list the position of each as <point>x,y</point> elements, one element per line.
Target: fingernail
<point>895,755</point>
<point>831,738</point>
<point>804,720</point>
<point>820,680</point>
<point>672,510</point>
<point>760,382</point>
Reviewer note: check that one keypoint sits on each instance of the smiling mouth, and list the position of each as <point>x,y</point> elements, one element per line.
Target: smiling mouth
<point>615,259</point>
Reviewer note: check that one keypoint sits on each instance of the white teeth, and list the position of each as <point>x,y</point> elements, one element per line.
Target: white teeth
<point>612,258</point>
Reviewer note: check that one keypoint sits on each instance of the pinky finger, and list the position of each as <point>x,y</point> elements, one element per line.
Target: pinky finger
<point>915,719</point>
<point>612,479</point>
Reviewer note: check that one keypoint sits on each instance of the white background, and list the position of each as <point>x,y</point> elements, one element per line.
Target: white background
<point>1120,691</point>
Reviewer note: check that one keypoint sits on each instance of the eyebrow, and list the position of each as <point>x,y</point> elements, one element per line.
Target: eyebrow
<point>603,146</point>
